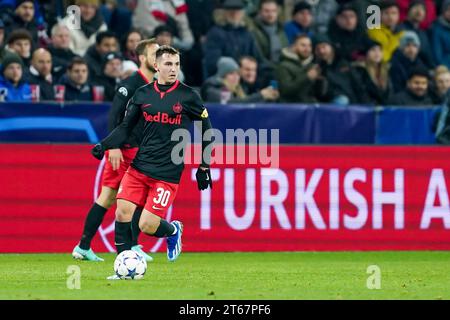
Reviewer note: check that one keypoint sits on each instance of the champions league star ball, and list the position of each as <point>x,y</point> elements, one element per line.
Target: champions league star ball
<point>130,265</point>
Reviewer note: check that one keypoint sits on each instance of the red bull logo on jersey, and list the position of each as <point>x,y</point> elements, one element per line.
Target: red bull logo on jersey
<point>163,117</point>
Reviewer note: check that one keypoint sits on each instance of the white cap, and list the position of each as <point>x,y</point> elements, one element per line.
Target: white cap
<point>129,65</point>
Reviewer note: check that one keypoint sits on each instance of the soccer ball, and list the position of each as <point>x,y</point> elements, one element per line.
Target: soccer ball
<point>130,265</point>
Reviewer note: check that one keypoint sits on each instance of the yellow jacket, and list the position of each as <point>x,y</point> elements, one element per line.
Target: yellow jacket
<point>389,40</point>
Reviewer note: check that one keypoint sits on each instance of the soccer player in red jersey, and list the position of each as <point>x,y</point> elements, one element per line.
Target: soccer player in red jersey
<point>153,177</point>
<point>119,159</point>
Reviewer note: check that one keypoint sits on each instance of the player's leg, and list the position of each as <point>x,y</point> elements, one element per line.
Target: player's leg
<point>96,214</point>
<point>128,156</point>
<point>110,184</point>
<point>122,232</point>
<point>135,231</point>
<point>93,221</point>
<point>160,197</point>
<point>132,195</point>
<point>155,226</point>
<point>124,215</point>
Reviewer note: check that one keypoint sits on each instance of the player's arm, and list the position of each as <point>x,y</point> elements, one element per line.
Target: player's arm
<point>118,107</point>
<point>206,148</point>
<point>198,113</point>
<point>116,113</point>
<point>121,133</point>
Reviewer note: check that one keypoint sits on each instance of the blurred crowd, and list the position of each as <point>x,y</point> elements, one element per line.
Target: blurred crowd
<point>243,51</point>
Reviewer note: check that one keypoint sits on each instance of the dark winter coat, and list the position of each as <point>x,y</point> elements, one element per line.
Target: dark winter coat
<point>409,99</point>
<point>366,90</point>
<point>263,39</point>
<point>76,93</point>
<point>401,66</point>
<point>95,62</point>
<point>440,41</point>
<point>426,53</point>
<point>228,41</point>
<point>293,82</point>
<point>338,78</point>
<point>349,43</point>
<point>47,92</point>
<point>61,58</point>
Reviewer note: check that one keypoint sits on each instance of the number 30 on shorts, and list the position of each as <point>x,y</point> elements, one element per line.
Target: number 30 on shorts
<point>162,198</point>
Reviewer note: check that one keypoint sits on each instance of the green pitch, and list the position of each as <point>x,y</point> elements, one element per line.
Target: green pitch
<point>341,275</point>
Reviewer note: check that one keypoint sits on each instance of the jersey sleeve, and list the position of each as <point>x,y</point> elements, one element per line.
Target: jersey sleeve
<point>119,105</point>
<point>121,133</point>
<point>196,109</point>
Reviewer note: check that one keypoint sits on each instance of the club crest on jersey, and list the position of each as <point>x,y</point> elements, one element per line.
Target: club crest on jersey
<point>177,108</point>
<point>123,91</point>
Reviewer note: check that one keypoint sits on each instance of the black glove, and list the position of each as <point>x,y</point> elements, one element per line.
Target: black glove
<point>203,179</point>
<point>97,151</point>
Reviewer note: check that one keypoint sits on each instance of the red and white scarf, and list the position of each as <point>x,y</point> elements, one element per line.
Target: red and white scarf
<point>158,10</point>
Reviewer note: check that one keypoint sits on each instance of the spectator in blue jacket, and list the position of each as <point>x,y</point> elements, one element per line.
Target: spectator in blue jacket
<point>440,36</point>
<point>405,58</point>
<point>301,23</point>
<point>231,39</point>
<point>12,86</point>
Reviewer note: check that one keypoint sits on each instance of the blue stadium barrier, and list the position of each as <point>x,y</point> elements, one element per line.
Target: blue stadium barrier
<point>53,122</point>
<point>300,124</point>
<point>297,123</point>
<point>403,125</point>
<point>49,123</point>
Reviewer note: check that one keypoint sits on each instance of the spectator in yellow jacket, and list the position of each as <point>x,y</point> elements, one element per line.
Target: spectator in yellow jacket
<point>390,32</point>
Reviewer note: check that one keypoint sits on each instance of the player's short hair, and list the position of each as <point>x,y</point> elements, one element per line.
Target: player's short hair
<point>76,61</point>
<point>166,49</point>
<point>142,46</point>
<point>19,34</point>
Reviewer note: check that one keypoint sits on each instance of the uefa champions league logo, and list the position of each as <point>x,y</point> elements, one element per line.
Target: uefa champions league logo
<point>104,232</point>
